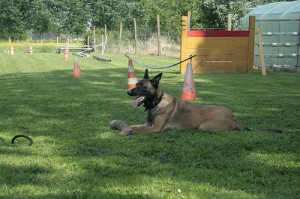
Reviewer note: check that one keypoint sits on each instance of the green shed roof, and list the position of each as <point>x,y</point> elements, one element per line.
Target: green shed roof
<point>274,11</point>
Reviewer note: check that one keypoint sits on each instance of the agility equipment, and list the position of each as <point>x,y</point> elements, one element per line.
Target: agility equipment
<point>76,70</point>
<point>66,57</point>
<point>84,49</point>
<point>132,80</point>
<point>30,50</point>
<point>218,51</point>
<point>188,91</point>
<point>81,54</point>
<point>99,58</point>
<point>11,51</point>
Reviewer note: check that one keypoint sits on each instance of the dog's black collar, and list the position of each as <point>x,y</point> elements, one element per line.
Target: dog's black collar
<point>156,102</point>
<point>149,106</point>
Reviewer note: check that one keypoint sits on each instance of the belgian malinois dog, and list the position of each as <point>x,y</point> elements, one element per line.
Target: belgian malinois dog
<point>168,112</point>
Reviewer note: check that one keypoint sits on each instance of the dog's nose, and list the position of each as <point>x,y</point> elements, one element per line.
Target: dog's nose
<point>132,92</point>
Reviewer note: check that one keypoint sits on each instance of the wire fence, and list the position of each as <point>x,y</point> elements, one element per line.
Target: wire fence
<point>138,41</point>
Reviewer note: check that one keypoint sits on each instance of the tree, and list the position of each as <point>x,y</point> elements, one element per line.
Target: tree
<point>78,16</point>
<point>12,24</point>
<point>214,12</point>
<point>75,18</point>
<point>169,11</point>
<point>37,15</point>
<point>109,13</point>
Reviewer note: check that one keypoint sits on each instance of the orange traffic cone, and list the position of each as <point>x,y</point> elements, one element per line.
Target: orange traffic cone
<point>30,50</point>
<point>76,71</point>
<point>132,80</point>
<point>11,51</point>
<point>66,57</point>
<point>188,91</point>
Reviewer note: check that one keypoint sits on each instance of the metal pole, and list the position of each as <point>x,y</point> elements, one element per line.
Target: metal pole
<point>298,50</point>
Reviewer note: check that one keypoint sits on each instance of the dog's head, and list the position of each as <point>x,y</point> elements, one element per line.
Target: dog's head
<point>145,90</point>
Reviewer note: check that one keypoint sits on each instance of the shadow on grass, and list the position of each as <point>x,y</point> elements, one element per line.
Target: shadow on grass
<point>68,119</point>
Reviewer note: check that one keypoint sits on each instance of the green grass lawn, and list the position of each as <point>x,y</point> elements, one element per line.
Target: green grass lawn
<point>76,154</point>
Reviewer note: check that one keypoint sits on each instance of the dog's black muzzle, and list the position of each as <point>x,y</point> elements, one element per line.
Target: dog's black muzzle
<point>132,92</point>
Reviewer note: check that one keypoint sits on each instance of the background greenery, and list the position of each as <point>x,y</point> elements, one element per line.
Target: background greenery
<point>77,16</point>
<point>76,155</point>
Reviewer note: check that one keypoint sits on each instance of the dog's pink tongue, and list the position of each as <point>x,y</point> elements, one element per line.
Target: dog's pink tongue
<point>135,103</point>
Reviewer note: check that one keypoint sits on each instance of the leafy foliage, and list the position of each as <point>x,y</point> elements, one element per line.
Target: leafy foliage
<point>11,19</point>
<point>215,12</point>
<point>77,16</point>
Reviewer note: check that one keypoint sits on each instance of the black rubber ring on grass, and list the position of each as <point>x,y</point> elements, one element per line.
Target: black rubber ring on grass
<point>24,136</point>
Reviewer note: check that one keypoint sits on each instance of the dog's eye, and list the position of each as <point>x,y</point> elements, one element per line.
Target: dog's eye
<point>138,85</point>
<point>141,87</point>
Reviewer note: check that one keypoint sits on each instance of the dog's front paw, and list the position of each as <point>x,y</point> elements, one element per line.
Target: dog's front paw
<point>135,126</point>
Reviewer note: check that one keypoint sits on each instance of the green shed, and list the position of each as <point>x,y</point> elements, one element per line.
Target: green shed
<point>279,23</point>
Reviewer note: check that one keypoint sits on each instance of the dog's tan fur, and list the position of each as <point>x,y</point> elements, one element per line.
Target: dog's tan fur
<point>173,113</point>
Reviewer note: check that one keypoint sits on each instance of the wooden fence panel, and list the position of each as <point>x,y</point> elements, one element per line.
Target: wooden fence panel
<point>218,51</point>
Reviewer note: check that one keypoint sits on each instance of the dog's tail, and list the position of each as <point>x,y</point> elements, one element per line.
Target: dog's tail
<point>241,127</point>
<point>272,130</point>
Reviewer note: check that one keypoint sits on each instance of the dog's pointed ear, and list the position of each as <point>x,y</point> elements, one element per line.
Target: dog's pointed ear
<point>146,76</point>
<point>156,79</point>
